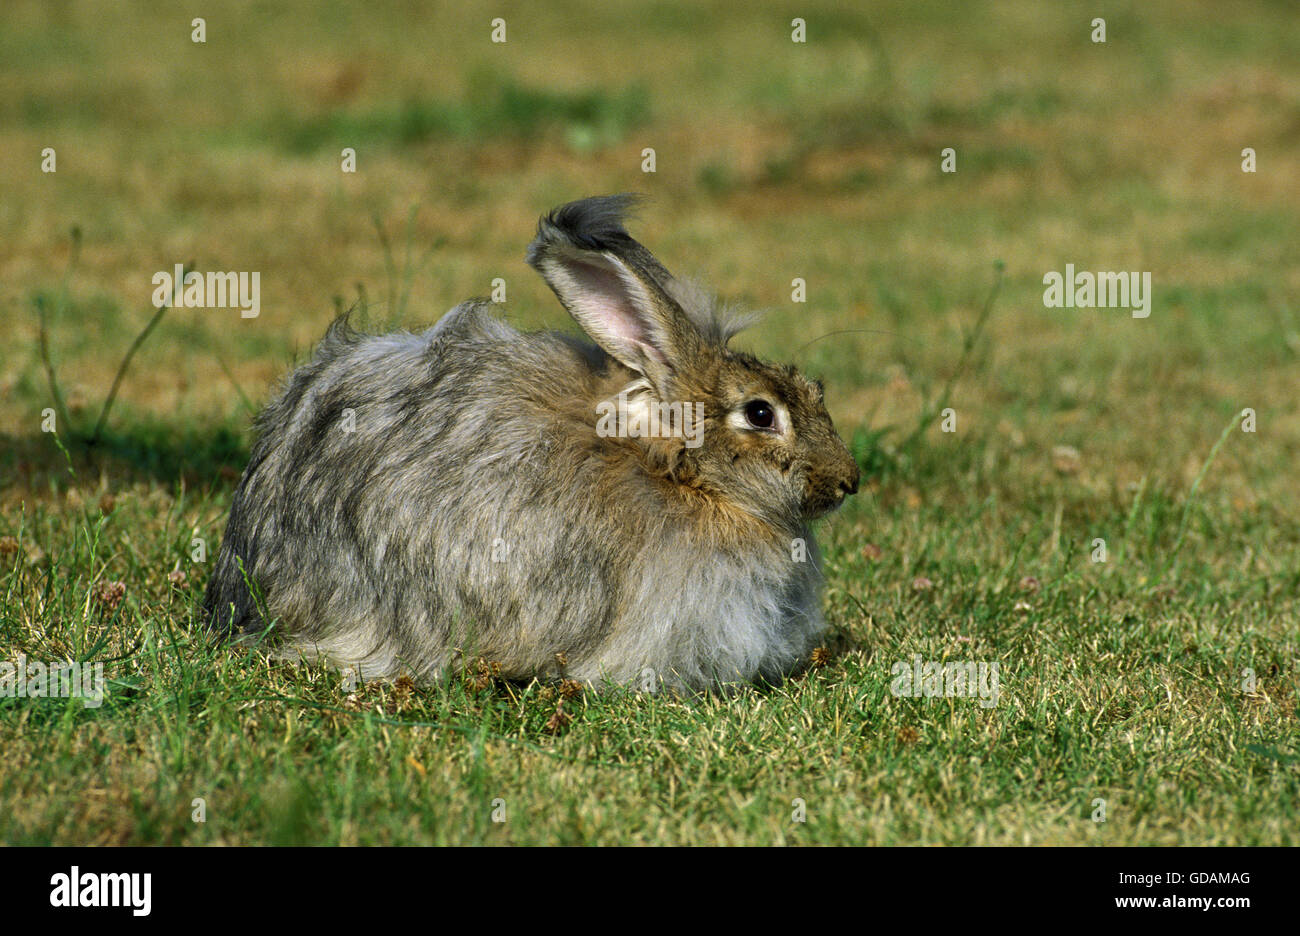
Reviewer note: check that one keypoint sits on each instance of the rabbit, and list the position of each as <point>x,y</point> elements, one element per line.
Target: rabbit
<point>414,502</point>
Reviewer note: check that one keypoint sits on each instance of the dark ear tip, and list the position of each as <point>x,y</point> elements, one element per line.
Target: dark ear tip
<point>590,224</point>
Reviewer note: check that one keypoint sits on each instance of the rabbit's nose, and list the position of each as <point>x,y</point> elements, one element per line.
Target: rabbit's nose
<point>850,484</point>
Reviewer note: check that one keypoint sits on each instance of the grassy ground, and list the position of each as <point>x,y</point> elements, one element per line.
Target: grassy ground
<point>1121,681</point>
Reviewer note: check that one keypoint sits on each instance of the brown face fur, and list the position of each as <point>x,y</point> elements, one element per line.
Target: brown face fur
<point>796,469</point>
<point>774,467</point>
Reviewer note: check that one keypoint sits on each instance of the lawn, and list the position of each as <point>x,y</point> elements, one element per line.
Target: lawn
<point>1113,519</point>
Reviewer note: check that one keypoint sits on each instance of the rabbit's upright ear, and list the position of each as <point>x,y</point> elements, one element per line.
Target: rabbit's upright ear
<point>614,287</point>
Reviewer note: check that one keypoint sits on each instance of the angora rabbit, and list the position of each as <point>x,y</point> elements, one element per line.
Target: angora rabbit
<point>633,511</point>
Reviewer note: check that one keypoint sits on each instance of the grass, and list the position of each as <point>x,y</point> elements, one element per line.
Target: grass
<point>491,106</point>
<point>1161,681</point>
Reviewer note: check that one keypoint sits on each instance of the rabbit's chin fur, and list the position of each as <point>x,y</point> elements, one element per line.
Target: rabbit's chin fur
<point>466,513</point>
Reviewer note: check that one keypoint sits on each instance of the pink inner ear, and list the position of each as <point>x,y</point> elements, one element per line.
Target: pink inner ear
<point>605,299</point>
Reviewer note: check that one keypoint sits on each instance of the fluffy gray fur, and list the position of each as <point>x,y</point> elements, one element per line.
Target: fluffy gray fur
<point>417,500</point>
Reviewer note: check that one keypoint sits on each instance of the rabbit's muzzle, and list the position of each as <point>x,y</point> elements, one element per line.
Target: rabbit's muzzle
<point>827,488</point>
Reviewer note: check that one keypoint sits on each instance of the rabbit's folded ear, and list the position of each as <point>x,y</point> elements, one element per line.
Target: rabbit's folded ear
<point>614,287</point>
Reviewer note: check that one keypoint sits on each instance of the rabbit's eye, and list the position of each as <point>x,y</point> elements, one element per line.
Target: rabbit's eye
<point>760,414</point>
